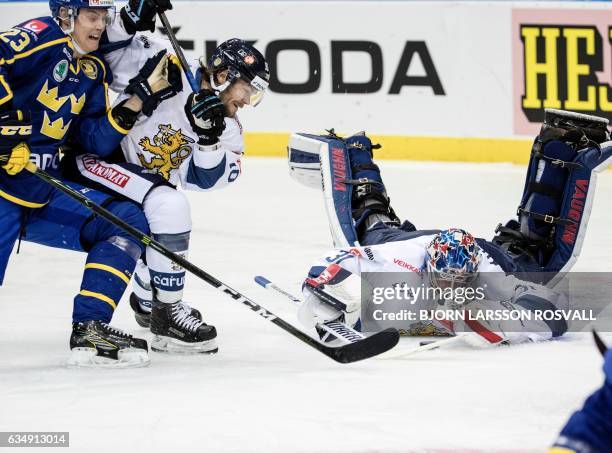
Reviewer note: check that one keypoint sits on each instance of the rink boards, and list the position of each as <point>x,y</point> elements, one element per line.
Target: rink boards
<point>430,80</point>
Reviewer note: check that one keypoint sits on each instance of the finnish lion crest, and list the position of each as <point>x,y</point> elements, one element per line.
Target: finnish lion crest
<point>169,148</point>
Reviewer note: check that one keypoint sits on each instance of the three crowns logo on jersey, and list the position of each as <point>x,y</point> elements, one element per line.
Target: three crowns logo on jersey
<point>169,148</point>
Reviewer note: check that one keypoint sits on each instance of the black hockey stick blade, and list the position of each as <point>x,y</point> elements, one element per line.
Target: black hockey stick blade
<point>364,349</point>
<point>359,349</point>
<point>600,343</point>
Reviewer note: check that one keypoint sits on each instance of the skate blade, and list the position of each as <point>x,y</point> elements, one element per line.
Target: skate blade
<point>143,321</point>
<point>127,358</point>
<point>174,346</point>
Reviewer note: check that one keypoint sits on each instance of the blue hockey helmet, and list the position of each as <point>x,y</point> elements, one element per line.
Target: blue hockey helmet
<point>452,258</point>
<point>73,7</point>
<point>243,61</point>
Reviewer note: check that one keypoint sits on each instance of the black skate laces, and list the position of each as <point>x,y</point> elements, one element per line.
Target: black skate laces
<point>115,331</point>
<point>182,316</point>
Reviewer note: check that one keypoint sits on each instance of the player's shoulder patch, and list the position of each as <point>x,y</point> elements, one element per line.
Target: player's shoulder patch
<point>41,28</point>
<point>35,25</point>
<point>34,38</point>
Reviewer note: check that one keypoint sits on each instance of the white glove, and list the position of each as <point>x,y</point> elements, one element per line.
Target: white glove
<point>335,292</point>
<point>487,326</point>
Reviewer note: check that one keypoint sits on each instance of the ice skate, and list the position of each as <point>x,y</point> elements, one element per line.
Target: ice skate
<point>176,330</point>
<point>97,344</point>
<point>142,310</point>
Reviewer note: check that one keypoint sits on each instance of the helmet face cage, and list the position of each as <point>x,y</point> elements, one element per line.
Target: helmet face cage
<point>449,278</point>
<point>243,62</point>
<point>452,259</point>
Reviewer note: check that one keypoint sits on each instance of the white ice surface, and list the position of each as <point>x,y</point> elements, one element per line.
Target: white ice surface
<point>267,392</point>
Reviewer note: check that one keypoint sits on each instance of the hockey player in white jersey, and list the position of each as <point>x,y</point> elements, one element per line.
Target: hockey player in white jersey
<point>540,245</point>
<point>193,140</point>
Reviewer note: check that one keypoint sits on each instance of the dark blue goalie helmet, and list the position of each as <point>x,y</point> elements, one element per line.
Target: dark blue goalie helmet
<point>73,7</point>
<point>243,61</point>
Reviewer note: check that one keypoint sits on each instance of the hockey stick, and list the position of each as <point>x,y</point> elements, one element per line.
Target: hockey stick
<point>178,51</point>
<point>349,335</point>
<point>371,346</point>
<point>424,347</point>
<point>339,330</point>
<point>601,346</point>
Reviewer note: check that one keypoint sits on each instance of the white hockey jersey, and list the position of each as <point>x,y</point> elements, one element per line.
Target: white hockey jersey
<point>499,291</point>
<point>165,142</point>
<point>398,256</point>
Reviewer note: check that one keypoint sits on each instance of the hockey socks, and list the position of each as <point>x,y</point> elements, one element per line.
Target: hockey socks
<point>167,277</point>
<point>143,292</point>
<point>107,272</point>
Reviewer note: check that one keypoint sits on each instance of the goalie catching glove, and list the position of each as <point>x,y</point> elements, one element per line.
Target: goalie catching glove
<point>15,131</point>
<point>159,79</point>
<point>514,321</point>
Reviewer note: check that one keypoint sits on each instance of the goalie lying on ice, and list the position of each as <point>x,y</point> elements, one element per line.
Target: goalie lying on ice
<point>511,274</point>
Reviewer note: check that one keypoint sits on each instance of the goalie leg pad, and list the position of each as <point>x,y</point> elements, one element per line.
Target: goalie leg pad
<point>564,222</point>
<point>564,156</point>
<point>544,186</point>
<point>320,161</point>
<point>337,195</point>
<point>353,190</point>
<point>576,207</point>
<point>304,162</point>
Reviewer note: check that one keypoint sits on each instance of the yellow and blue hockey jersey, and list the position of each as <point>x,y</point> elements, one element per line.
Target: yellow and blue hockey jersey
<point>64,95</point>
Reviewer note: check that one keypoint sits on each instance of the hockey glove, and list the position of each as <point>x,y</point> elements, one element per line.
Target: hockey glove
<point>15,130</point>
<point>123,116</point>
<point>159,79</point>
<point>206,114</point>
<point>139,15</point>
<point>490,323</point>
<point>337,296</point>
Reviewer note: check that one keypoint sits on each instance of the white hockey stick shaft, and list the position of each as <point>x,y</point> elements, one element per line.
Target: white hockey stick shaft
<point>341,331</point>
<point>426,347</point>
